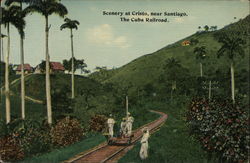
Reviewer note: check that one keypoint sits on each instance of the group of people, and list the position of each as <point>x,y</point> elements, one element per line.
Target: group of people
<point>126,126</point>
<point>126,131</point>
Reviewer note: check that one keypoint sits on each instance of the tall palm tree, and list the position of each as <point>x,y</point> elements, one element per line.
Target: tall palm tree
<point>71,24</point>
<point>9,3</point>
<point>172,67</point>
<point>47,8</point>
<point>200,56</point>
<point>232,46</point>
<point>11,15</point>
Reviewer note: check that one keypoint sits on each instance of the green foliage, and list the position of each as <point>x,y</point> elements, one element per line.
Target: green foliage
<point>78,64</point>
<point>67,131</point>
<point>221,127</point>
<point>172,142</point>
<point>62,104</point>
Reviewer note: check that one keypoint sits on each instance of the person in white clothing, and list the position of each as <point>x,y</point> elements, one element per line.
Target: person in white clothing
<point>144,144</point>
<point>123,129</point>
<point>111,123</point>
<point>129,125</point>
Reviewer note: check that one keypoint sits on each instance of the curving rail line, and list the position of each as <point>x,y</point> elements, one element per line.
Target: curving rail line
<point>106,153</point>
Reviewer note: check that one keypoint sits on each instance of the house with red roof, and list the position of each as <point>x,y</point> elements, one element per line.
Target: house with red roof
<point>186,43</point>
<point>55,67</point>
<point>27,69</point>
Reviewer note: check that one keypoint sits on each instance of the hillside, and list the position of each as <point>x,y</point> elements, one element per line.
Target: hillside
<point>148,68</point>
<point>35,84</point>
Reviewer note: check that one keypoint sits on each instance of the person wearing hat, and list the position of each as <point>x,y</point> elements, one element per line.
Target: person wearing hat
<point>111,123</point>
<point>144,144</point>
<point>130,121</point>
<point>123,129</point>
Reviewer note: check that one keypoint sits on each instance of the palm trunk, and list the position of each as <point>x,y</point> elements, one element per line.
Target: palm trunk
<point>22,79</point>
<point>22,74</point>
<point>48,95</point>
<point>1,52</point>
<point>232,83</point>
<point>72,68</point>
<point>201,69</point>
<point>7,89</point>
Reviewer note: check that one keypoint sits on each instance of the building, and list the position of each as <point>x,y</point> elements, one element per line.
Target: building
<point>185,43</point>
<point>55,67</point>
<point>27,69</point>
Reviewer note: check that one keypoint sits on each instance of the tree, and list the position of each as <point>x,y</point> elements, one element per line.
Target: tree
<point>21,33</point>
<point>232,46</point>
<point>47,8</point>
<point>200,56</point>
<point>172,68</point>
<point>11,15</point>
<point>71,24</point>
<point>78,64</point>
<point>206,27</point>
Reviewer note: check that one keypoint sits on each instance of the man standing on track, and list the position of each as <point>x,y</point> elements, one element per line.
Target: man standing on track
<point>111,123</point>
<point>130,121</point>
<point>123,129</point>
<point>144,144</point>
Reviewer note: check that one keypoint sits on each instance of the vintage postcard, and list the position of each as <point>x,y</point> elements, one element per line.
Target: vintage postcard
<point>126,81</point>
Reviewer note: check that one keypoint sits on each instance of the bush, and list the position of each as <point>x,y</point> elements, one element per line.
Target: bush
<point>33,136</point>
<point>67,131</point>
<point>221,127</point>
<point>98,123</point>
<point>10,149</point>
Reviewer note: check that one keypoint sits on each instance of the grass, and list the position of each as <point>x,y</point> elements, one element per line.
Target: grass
<point>33,110</point>
<point>172,142</point>
<point>62,154</point>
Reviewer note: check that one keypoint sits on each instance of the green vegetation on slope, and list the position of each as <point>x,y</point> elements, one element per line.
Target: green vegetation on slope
<point>148,68</point>
<point>172,142</point>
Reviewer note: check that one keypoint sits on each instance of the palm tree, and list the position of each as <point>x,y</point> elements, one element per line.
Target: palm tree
<point>9,3</point>
<point>11,15</point>
<point>71,24</point>
<point>232,46</point>
<point>172,67</point>
<point>200,56</point>
<point>47,8</point>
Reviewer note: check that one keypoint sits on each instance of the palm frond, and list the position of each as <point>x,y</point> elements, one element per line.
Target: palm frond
<point>34,8</point>
<point>56,8</point>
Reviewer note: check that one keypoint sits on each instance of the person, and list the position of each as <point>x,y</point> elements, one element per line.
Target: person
<point>144,144</point>
<point>130,121</point>
<point>111,123</point>
<point>123,130</point>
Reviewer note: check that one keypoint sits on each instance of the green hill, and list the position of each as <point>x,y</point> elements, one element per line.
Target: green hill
<point>148,68</point>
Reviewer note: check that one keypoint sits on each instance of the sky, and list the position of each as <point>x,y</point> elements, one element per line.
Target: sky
<point>104,40</point>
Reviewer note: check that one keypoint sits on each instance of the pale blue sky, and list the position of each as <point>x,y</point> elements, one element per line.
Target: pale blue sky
<point>106,41</point>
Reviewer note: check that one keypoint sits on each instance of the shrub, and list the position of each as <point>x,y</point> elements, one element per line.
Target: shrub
<point>67,131</point>
<point>221,127</point>
<point>33,136</point>
<point>98,123</point>
<point>10,149</point>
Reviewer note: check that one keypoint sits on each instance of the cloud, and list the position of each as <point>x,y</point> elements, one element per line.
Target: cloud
<point>104,35</point>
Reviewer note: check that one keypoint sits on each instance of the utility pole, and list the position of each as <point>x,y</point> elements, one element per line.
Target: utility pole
<point>127,106</point>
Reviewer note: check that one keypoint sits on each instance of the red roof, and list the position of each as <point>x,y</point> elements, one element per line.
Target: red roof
<point>27,67</point>
<point>57,66</point>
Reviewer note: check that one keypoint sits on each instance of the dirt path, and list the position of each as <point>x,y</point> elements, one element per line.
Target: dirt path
<point>112,153</point>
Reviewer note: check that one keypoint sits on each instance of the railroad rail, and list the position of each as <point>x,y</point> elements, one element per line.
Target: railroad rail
<point>105,153</point>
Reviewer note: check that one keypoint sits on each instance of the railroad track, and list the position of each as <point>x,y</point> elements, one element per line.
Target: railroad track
<point>111,153</point>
